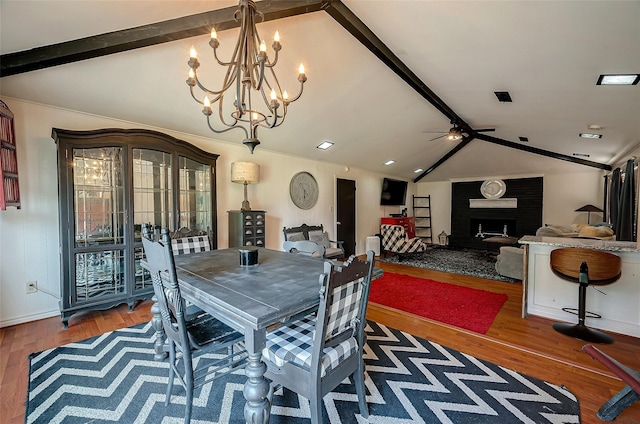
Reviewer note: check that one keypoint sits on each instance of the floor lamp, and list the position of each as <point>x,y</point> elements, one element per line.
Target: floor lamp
<point>588,209</point>
<point>245,173</point>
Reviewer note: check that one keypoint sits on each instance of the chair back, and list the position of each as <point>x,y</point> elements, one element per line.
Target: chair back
<point>304,247</point>
<point>343,305</point>
<point>161,266</point>
<point>603,267</point>
<point>192,244</point>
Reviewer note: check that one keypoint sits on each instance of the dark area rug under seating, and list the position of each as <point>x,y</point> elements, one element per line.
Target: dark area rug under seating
<point>455,260</point>
<point>113,378</point>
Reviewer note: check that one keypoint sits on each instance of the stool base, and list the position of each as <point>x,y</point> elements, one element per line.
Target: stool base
<point>582,332</point>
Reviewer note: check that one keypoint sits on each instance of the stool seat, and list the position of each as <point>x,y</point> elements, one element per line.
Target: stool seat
<point>585,267</point>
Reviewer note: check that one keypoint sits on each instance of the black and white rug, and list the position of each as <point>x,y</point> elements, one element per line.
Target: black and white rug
<point>473,262</point>
<point>113,378</point>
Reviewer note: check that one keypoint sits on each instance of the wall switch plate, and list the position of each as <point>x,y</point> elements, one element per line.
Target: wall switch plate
<point>32,287</point>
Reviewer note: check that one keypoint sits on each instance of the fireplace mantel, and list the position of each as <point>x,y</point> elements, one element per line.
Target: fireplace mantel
<point>502,203</point>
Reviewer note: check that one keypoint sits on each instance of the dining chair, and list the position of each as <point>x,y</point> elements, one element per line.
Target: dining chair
<point>304,247</point>
<point>313,355</point>
<point>200,333</point>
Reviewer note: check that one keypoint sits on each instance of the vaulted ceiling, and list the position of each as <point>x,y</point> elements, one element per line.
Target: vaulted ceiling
<point>384,77</point>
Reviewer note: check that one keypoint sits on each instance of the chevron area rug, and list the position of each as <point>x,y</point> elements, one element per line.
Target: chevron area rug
<point>113,378</point>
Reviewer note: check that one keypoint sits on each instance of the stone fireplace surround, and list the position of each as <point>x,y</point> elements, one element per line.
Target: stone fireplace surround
<point>522,220</point>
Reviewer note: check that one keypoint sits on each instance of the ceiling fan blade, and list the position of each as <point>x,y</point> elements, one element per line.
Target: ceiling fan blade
<point>440,136</point>
<point>485,130</point>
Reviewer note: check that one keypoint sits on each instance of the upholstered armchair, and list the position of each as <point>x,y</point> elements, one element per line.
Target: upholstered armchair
<point>395,240</point>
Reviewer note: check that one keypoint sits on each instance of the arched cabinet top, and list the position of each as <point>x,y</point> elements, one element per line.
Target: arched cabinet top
<point>131,137</point>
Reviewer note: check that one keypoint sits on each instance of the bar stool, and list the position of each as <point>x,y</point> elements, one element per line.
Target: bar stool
<point>585,267</point>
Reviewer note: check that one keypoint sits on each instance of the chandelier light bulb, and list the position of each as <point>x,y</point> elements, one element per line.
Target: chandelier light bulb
<point>273,94</point>
<point>263,46</point>
<point>191,73</point>
<point>285,96</point>
<point>301,69</point>
<point>207,102</point>
<point>276,37</point>
<point>193,54</point>
<point>214,34</point>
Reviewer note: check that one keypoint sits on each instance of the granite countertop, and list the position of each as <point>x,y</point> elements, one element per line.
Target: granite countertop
<point>608,245</point>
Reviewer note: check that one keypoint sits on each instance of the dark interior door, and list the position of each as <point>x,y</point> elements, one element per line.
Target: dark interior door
<point>346,215</point>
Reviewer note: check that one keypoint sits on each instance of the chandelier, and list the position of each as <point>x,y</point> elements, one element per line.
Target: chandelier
<point>258,99</point>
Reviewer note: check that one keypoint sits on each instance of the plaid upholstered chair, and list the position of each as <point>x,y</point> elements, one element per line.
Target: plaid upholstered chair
<point>395,240</point>
<point>313,355</point>
<point>186,333</point>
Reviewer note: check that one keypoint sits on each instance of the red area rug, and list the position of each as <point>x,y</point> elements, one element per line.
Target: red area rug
<point>462,307</point>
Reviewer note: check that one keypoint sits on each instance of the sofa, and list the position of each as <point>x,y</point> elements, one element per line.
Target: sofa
<point>510,262</point>
<point>597,231</point>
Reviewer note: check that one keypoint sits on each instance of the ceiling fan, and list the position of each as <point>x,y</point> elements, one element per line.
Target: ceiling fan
<point>455,133</point>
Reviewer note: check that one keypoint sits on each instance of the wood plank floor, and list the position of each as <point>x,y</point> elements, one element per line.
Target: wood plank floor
<point>528,345</point>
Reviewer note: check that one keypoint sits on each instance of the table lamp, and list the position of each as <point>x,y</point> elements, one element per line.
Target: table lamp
<point>245,173</point>
<point>588,209</point>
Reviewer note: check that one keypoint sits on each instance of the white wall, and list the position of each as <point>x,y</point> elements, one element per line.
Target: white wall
<point>29,240</point>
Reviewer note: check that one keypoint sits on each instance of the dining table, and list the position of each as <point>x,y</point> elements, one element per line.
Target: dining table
<point>250,299</point>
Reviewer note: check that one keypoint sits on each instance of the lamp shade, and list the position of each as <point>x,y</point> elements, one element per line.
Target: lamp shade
<point>242,172</point>
<point>589,208</point>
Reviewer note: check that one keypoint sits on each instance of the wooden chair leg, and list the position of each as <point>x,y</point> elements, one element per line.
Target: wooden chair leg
<point>316,406</point>
<point>358,378</point>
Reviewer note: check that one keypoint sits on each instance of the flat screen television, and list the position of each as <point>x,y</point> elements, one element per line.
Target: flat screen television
<point>394,192</point>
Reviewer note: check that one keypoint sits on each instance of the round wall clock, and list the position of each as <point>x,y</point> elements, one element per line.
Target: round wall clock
<point>303,190</point>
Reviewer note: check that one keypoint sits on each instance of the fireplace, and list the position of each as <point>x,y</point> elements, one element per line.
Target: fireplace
<point>488,227</point>
<point>469,225</point>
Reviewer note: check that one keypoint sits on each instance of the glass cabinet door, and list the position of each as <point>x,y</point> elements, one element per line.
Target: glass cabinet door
<point>195,195</point>
<point>152,201</point>
<point>98,205</point>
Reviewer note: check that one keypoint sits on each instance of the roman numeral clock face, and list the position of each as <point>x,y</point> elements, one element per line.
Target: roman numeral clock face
<point>303,190</point>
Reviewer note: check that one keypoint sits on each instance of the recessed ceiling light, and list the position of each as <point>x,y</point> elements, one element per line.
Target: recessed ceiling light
<point>418,170</point>
<point>324,145</point>
<point>590,135</point>
<point>503,96</point>
<point>524,139</point>
<point>389,162</point>
<point>595,127</point>
<point>620,79</point>
<point>582,155</point>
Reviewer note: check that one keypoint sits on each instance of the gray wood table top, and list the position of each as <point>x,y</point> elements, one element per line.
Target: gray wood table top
<point>281,285</point>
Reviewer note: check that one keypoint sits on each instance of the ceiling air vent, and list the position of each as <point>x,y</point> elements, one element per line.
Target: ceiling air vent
<point>524,139</point>
<point>503,96</point>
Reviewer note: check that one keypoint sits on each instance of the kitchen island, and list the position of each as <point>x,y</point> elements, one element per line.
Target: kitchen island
<point>545,294</point>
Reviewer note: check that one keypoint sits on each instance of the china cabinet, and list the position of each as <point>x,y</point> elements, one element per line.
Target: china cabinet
<point>110,182</point>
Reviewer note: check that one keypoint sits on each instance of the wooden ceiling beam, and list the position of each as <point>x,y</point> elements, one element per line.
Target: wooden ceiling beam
<point>144,36</point>
<point>542,152</point>
<point>466,140</point>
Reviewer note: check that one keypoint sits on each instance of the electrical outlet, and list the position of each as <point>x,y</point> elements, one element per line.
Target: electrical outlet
<point>32,287</point>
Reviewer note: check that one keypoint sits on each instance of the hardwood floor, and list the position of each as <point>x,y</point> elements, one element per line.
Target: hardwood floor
<point>529,345</point>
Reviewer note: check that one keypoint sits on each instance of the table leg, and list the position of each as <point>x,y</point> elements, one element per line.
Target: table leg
<point>256,390</point>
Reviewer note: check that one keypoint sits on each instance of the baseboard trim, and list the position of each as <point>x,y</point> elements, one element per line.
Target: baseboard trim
<point>29,318</point>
